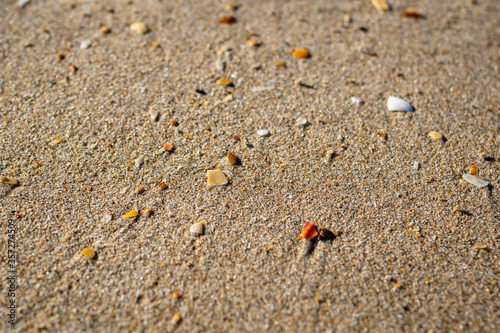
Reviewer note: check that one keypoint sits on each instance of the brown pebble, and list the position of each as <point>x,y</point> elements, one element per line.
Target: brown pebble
<point>139,190</point>
<point>176,295</point>
<point>301,54</point>
<point>173,122</point>
<point>8,180</point>
<point>336,233</point>
<point>473,170</point>
<point>235,137</point>
<point>231,158</point>
<point>330,152</point>
<point>382,135</point>
<point>412,13</point>
<point>73,68</point>
<point>281,64</point>
<point>60,56</point>
<point>176,319</point>
<point>168,147</point>
<point>226,20</point>
<point>88,253</point>
<point>105,30</point>
<point>149,211</point>
<point>162,186</point>
<point>223,82</point>
<point>435,135</point>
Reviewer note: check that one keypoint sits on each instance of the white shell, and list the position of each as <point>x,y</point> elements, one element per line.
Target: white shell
<point>357,100</point>
<point>474,180</point>
<point>85,44</point>
<point>397,104</point>
<point>302,121</point>
<point>263,132</point>
<point>154,114</point>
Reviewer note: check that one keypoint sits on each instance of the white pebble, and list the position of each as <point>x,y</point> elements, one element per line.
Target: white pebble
<point>197,228</point>
<point>263,132</point>
<point>302,121</point>
<point>85,44</point>
<point>397,104</point>
<point>357,100</point>
<point>416,165</point>
<point>106,218</point>
<point>474,180</point>
<point>23,3</point>
<point>154,114</point>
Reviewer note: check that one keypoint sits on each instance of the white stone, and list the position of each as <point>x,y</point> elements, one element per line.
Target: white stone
<point>263,132</point>
<point>357,100</point>
<point>416,165</point>
<point>197,228</point>
<point>302,121</point>
<point>85,44</point>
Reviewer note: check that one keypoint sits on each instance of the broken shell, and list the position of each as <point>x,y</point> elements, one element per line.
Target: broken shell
<point>88,253</point>
<point>154,114</point>
<point>9,180</point>
<point>197,228</point>
<point>309,231</point>
<point>474,180</point>
<point>397,104</point>
<point>231,158</point>
<point>216,178</point>
<point>132,213</point>
<point>357,100</point>
<point>223,82</point>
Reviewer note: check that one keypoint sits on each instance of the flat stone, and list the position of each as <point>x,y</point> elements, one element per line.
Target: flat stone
<point>216,178</point>
<point>197,228</point>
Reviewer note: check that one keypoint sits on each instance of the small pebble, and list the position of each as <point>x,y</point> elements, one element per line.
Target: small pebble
<point>281,64</point>
<point>168,147</point>
<point>56,141</point>
<point>435,135</point>
<point>139,190</point>
<point>216,178</point>
<point>262,132</point>
<point>301,54</point>
<point>223,82</point>
<point>302,121</point>
<point>139,27</point>
<point>149,211</point>
<point>23,3</point>
<point>226,20</point>
<point>347,18</point>
<point>88,253</point>
<point>176,295</point>
<point>473,170</point>
<point>235,137</point>
<point>174,122</point>
<point>309,231</point>
<point>106,218</point>
<point>416,165</point>
<point>176,319</point>
<point>357,100</point>
<point>162,186</point>
<point>154,114</point>
<point>85,44</point>
<point>412,13</point>
<point>197,228</point>
<point>381,5</point>
<point>105,30</point>
<point>330,152</point>
<point>220,65</point>
<point>232,159</point>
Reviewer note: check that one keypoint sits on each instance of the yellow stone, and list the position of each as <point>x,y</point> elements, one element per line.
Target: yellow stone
<point>380,4</point>
<point>281,64</point>
<point>197,228</point>
<point>139,190</point>
<point>139,27</point>
<point>473,171</point>
<point>132,213</point>
<point>231,158</point>
<point>223,82</point>
<point>435,135</point>
<point>88,253</point>
<point>216,178</point>
<point>56,141</point>
<point>301,54</point>
<point>176,319</point>
<point>168,147</point>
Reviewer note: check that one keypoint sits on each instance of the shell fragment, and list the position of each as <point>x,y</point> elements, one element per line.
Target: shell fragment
<point>474,180</point>
<point>216,178</point>
<point>397,104</point>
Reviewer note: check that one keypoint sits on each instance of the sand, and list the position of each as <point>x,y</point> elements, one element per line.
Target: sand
<point>417,249</point>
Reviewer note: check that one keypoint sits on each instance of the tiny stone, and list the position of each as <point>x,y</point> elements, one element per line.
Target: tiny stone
<point>85,44</point>
<point>139,190</point>
<point>56,141</point>
<point>176,319</point>
<point>88,253</point>
<point>226,20</point>
<point>473,170</point>
<point>228,98</point>
<point>106,218</point>
<point>168,147</point>
<point>435,135</point>
<point>197,228</point>
<point>149,211</point>
<point>138,162</point>
<point>154,114</point>
<point>162,186</point>
<point>281,64</point>
<point>9,180</point>
<point>330,152</point>
<point>216,178</point>
<point>23,3</point>
<point>105,30</point>
<point>235,137</point>
<point>347,18</point>
<point>176,295</point>
<point>357,100</point>
<point>230,6</point>
<point>223,82</point>
<point>416,165</point>
<point>173,122</point>
<point>232,159</point>
<point>302,121</point>
<point>220,65</point>
<point>139,27</point>
<point>263,132</point>
<point>381,5</point>
<point>301,54</point>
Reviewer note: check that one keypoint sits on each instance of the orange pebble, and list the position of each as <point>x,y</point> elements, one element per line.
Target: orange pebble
<point>309,231</point>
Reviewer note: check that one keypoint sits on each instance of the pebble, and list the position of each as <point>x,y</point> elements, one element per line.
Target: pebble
<point>139,190</point>
<point>262,132</point>
<point>132,213</point>
<point>435,135</point>
<point>216,178</point>
<point>168,147</point>
<point>106,218</point>
<point>416,165</point>
<point>176,295</point>
<point>149,211</point>
<point>9,180</point>
<point>56,141</point>
<point>330,152</point>
<point>197,228</point>
<point>176,319</point>
<point>226,20</point>
<point>105,30</point>
<point>174,122</point>
<point>139,27</point>
<point>231,158</point>
<point>474,180</point>
<point>281,64</point>
<point>23,3</point>
<point>154,114</point>
<point>223,82</point>
<point>88,253</point>
<point>85,44</point>
<point>138,162</point>
<point>357,100</point>
<point>302,121</point>
<point>381,5</point>
<point>162,186</point>
<point>309,231</point>
<point>220,65</point>
<point>301,54</point>
<point>473,170</point>
<point>412,13</point>
<point>235,137</point>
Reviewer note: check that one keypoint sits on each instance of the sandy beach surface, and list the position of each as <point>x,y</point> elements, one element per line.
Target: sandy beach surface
<point>416,246</point>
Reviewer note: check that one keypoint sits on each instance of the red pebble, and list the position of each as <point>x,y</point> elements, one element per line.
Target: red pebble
<point>309,231</point>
